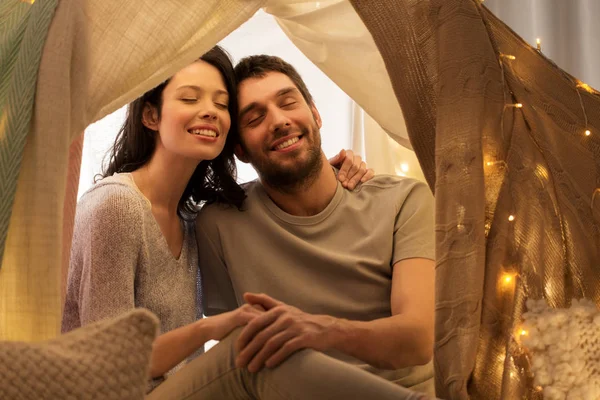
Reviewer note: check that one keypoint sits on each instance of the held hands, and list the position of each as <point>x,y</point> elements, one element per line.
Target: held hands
<point>281,330</point>
<point>221,325</point>
<point>352,169</point>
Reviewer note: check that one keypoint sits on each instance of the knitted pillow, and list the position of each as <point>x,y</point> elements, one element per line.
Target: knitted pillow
<point>106,360</point>
<point>564,346</point>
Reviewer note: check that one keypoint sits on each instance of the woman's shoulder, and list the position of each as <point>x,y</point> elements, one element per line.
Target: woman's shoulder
<point>115,195</point>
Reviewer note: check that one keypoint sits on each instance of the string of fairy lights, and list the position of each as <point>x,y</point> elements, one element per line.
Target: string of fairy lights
<point>508,277</point>
<point>508,280</point>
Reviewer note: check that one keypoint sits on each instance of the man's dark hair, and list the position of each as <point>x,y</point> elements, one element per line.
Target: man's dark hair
<point>260,65</point>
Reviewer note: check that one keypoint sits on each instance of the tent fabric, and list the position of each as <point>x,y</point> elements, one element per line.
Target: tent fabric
<point>516,188</point>
<point>23,31</point>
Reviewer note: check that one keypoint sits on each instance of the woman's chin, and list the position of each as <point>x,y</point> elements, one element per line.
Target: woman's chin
<point>207,155</point>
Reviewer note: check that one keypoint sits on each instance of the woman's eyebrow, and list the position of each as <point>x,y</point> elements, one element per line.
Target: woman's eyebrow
<point>194,87</point>
<point>199,89</point>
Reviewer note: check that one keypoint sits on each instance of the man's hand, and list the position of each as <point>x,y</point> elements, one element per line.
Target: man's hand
<point>352,169</point>
<point>272,337</point>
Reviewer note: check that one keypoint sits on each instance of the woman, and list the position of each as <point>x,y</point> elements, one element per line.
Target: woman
<point>134,242</point>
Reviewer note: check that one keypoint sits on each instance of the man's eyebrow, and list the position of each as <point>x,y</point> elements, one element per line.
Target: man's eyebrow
<point>286,90</point>
<point>199,89</point>
<point>247,109</point>
<point>254,105</point>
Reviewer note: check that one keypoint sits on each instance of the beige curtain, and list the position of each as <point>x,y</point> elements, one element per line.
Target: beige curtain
<point>23,31</point>
<point>379,150</point>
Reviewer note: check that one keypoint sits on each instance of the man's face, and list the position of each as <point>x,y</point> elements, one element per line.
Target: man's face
<point>279,131</point>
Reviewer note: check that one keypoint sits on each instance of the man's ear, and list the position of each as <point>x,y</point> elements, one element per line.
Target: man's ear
<point>150,117</point>
<point>240,153</point>
<point>316,115</point>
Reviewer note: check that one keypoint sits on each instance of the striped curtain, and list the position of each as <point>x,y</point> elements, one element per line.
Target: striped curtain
<point>23,29</point>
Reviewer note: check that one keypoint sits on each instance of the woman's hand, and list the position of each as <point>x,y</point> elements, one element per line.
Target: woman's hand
<point>221,325</point>
<point>172,347</point>
<point>352,169</point>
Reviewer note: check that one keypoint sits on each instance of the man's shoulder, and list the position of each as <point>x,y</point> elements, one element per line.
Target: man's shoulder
<point>385,183</point>
<point>392,191</point>
<point>216,211</point>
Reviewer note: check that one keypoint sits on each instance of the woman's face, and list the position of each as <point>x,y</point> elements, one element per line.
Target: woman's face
<point>194,119</point>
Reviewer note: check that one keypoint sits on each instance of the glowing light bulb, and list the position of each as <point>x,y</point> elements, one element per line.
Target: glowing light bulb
<point>585,87</point>
<point>404,167</point>
<point>511,218</point>
<point>588,132</point>
<point>507,280</point>
<point>523,332</point>
<point>519,105</point>
<point>538,42</point>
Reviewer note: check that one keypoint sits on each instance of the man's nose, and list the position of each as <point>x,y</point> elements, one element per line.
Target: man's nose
<point>280,121</point>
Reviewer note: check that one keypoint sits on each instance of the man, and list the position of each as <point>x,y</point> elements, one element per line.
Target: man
<point>350,274</point>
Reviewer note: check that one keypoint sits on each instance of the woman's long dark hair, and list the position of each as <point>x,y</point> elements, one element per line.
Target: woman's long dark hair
<point>213,180</point>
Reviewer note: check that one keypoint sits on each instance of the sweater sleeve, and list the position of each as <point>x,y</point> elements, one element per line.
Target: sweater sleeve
<point>109,238</point>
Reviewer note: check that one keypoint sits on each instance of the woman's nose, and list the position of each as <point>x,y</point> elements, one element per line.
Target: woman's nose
<point>208,112</point>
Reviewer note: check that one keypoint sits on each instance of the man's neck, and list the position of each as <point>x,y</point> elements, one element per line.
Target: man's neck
<point>309,198</point>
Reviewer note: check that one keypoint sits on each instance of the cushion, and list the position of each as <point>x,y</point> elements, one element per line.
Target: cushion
<point>564,348</point>
<point>107,360</point>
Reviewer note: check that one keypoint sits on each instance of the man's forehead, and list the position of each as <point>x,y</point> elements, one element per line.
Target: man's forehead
<point>259,89</point>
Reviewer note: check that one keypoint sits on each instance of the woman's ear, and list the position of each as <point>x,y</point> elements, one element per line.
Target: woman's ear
<point>150,117</point>
<point>240,153</point>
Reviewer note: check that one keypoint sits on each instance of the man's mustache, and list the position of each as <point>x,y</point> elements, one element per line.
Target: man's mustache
<point>289,131</point>
<point>303,131</point>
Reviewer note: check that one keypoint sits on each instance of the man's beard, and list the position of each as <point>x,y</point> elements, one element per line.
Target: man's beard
<point>290,179</point>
